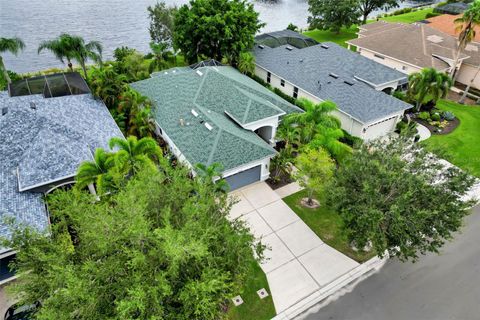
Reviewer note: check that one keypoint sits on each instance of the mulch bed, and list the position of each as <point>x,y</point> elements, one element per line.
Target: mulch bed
<point>284,180</point>
<point>452,125</point>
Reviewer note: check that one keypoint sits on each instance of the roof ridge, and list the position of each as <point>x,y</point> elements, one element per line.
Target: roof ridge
<point>214,147</point>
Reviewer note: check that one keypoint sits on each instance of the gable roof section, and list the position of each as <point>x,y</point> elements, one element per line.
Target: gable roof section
<point>310,68</point>
<point>415,44</point>
<point>216,95</point>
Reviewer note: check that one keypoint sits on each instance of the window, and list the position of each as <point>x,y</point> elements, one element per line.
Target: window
<point>282,83</point>
<point>269,75</point>
<point>378,56</point>
<point>404,67</point>
<point>295,92</point>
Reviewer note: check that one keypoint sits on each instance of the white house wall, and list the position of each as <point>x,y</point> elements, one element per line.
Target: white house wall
<point>466,74</point>
<point>389,62</point>
<point>378,128</point>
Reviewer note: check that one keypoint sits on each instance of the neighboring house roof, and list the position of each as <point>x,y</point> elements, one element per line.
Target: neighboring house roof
<point>283,37</point>
<point>452,8</point>
<point>224,99</point>
<point>415,44</point>
<point>43,141</point>
<point>311,69</point>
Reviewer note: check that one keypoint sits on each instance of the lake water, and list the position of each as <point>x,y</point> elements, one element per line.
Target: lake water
<point>113,22</point>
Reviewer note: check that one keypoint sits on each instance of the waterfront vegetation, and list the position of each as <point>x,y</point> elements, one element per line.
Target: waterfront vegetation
<point>409,17</point>
<point>461,146</point>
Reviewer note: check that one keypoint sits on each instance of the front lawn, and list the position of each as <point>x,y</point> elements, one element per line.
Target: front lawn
<point>339,38</point>
<point>327,224</point>
<point>409,17</point>
<point>461,147</point>
<point>253,307</point>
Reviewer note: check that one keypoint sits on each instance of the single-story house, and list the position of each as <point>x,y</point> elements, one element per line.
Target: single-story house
<point>326,71</point>
<point>48,126</point>
<point>209,113</point>
<point>411,47</point>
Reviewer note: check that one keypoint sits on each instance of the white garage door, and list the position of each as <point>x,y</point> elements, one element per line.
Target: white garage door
<point>380,129</point>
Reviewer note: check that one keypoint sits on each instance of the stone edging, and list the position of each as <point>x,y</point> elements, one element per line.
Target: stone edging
<point>326,291</point>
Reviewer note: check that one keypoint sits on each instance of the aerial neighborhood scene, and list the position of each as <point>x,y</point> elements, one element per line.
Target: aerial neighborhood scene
<point>240,159</point>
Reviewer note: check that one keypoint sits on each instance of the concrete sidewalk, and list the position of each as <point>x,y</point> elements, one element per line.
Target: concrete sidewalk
<point>298,263</point>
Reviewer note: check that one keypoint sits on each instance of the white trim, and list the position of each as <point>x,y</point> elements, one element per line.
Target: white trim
<point>396,59</point>
<point>381,84</point>
<point>41,184</point>
<point>5,281</point>
<point>7,253</point>
<point>60,185</point>
<point>253,122</point>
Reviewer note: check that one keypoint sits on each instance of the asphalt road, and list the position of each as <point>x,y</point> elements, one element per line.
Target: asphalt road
<point>437,287</point>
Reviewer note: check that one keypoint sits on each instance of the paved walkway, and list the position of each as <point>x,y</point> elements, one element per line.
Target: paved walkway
<point>297,263</point>
<point>423,132</point>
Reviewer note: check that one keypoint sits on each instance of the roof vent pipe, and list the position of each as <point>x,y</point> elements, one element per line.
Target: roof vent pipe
<point>4,111</point>
<point>182,122</point>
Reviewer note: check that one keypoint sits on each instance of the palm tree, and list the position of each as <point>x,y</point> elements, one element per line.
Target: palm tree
<point>208,174</point>
<point>107,84</point>
<point>159,51</point>
<point>133,153</point>
<point>61,47</point>
<point>12,45</point>
<point>317,127</point>
<point>136,109</point>
<point>466,25</point>
<point>428,84</point>
<point>76,49</point>
<point>96,172</point>
<point>246,63</point>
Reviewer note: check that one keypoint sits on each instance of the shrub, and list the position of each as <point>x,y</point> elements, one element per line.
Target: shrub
<point>13,76</point>
<point>290,99</point>
<point>350,140</point>
<point>121,52</point>
<point>435,116</point>
<point>449,116</point>
<point>401,126</point>
<point>431,15</point>
<point>424,116</point>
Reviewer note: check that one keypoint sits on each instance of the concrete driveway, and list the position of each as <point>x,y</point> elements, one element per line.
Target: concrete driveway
<point>297,262</point>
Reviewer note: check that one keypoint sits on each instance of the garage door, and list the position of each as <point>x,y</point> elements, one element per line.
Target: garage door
<point>244,178</point>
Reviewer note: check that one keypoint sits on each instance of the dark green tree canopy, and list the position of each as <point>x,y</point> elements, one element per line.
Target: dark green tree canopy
<point>215,29</point>
<point>160,248</point>
<point>368,6</point>
<point>161,22</point>
<point>397,196</point>
<point>333,14</point>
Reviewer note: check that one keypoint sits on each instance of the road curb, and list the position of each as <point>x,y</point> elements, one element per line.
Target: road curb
<point>329,289</point>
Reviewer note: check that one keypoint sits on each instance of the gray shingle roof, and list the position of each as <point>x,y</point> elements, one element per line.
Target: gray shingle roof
<point>211,92</point>
<point>309,69</point>
<point>45,144</point>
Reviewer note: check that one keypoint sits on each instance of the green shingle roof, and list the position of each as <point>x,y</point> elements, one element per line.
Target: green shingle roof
<point>211,92</point>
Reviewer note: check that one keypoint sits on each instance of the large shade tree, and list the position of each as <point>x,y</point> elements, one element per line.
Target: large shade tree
<point>369,6</point>
<point>215,29</point>
<point>160,248</point>
<point>12,45</point>
<point>395,195</point>
<point>333,14</point>
<point>428,85</point>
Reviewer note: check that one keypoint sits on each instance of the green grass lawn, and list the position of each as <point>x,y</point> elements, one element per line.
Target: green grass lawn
<point>409,17</point>
<point>327,224</point>
<point>339,38</point>
<point>462,146</point>
<point>253,308</point>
